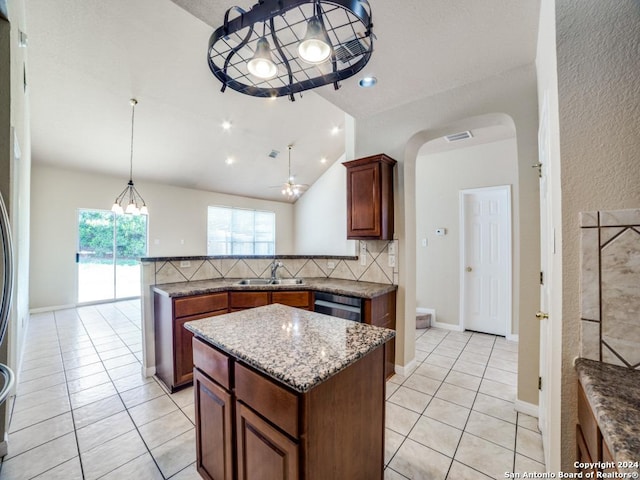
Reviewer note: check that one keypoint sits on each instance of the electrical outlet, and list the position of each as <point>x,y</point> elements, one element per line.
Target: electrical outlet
<point>392,261</point>
<point>392,247</point>
<point>185,264</point>
<point>363,247</point>
<point>331,265</point>
<point>363,259</point>
<point>424,242</point>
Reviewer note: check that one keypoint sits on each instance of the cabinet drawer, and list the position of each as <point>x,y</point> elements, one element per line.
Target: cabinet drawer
<point>270,400</point>
<point>212,362</point>
<point>589,425</point>
<point>184,307</point>
<point>293,299</point>
<point>248,299</point>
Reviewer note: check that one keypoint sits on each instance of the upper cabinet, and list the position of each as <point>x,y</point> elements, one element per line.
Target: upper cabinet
<point>370,198</point>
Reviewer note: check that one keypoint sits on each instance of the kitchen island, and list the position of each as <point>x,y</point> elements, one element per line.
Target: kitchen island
<point>287,393</point>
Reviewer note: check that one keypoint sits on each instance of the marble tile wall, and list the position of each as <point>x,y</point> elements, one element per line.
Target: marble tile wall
<point>610,287</point>
<point>375,270</point>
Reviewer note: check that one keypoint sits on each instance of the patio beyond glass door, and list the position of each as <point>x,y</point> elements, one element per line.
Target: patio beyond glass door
<point>109,246</point>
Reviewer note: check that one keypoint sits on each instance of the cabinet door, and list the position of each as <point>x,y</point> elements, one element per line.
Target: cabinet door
<point>363,201</point>
<point>292,299</point>
<point>242,300</point>
<point>195,305</point>
<point>183,349</point>
<point>263,451</point>
<point>184,354</point>
<point>214,423</point>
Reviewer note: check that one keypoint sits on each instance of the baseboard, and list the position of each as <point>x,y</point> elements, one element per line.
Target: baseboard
<point>526,407</point>
<point>149,371</point>
<point>51,309</point>
<point>513,338</point>
<point>405,370</point>
<point>4,445</point>
<point>447,326</point>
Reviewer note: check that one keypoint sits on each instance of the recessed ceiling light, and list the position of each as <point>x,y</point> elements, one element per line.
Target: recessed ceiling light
<point>335,130</point>
<point>226,125</point>
<point>367,82</point>
<point>229,161</point>
<point>323,160</point>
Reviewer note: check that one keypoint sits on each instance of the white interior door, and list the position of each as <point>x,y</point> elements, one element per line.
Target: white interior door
<point>547,249</point>
<point>486,260</point>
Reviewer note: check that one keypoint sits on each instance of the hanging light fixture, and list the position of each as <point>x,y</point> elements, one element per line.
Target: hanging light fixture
<point>135,204</point>
<point>291,189</point>
<point>315,47</point>
<point>261,64</point>
<point>315,43</point>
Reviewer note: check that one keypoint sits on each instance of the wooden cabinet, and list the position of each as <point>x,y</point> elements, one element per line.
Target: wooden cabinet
<point>370,198</point>
<point>174,357</point>
<point>335,430</point>
<point>591,447</point>
<point>214,439</point>
<point>300,299</point>
<point>292,298</point>
<point>381,312</point>
<point>244,300</point>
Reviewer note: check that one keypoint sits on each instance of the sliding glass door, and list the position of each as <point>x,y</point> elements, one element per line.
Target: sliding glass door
<point>109,246</point>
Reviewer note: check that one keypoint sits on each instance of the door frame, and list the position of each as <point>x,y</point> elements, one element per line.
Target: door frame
<point>463,235</point>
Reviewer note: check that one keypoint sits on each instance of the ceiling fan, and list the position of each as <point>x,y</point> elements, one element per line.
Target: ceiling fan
<point>290,189</point>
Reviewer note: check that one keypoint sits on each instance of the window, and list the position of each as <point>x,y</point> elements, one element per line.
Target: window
<point>238,231</point>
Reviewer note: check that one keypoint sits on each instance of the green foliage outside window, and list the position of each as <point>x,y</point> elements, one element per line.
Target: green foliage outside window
<point>96,232</point>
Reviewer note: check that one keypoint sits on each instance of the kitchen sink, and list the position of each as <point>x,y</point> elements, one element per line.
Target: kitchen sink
<point>287,281</point>
<point>254,281</point>
<point>268,281</point>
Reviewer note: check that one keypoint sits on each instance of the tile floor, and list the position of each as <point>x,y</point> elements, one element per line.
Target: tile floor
<point>84,411</point>
<point>453,417</point>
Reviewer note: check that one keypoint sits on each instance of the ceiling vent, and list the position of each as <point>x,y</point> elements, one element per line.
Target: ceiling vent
<point>456,137</point>
<point>274,154</point>
<point>350,49</point>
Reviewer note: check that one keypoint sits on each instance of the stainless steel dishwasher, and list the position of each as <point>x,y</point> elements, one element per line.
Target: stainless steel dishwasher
<point>341,306</point>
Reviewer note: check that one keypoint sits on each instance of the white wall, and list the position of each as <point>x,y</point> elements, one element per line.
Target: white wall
<point>401,132</point>
<point>439,179</point>
<point>175,215</point>
<point>321,216</point>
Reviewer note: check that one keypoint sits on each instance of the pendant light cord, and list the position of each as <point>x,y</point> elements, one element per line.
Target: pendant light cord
<point>134,102</point>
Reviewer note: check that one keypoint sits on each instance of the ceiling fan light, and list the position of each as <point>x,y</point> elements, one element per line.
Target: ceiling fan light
<point>315,47</point>
<point>261,64</point>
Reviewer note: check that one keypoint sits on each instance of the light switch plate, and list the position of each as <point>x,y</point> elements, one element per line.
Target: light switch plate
<point>392,260</point>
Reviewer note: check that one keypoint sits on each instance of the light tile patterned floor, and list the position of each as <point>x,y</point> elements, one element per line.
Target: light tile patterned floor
<point>84,411</point>
<point>453,417</point>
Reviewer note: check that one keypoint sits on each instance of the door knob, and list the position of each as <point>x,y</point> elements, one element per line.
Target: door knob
<point>542,315</point>
<point>468,269</point>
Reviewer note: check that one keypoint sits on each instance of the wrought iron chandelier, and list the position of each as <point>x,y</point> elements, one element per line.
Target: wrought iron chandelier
<point>135,203</point>
<point>283,47</point>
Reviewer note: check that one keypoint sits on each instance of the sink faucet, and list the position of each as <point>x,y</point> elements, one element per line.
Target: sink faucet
<point>274,269</point>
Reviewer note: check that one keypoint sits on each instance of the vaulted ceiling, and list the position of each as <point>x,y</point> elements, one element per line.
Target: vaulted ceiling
<point>87,58</point>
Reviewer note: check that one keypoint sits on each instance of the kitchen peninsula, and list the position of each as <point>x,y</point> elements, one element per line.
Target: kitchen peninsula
<point>287,393</point>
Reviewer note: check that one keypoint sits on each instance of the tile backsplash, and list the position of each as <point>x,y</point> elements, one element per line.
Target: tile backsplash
<point>376,268</point>
<point>610,287</point>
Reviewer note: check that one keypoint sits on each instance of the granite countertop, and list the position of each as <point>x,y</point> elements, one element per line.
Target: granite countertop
<point>330,285</point>
<point>614,395</point>
<point>298,348</point>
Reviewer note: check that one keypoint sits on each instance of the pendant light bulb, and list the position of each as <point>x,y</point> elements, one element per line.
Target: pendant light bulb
<point>315,47</point>
<point>261,64</point>
<point>144,210</point>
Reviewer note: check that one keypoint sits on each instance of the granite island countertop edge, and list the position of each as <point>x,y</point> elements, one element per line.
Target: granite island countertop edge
<point>375,336</point>
<point>613,393</point>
